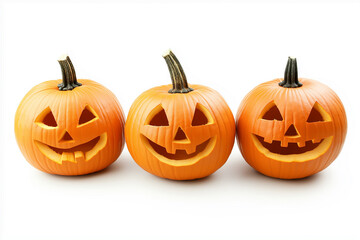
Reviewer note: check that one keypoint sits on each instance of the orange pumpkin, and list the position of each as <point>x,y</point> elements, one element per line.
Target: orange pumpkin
<point>291,128</point>
<point>182,133</point>
<point>70,128</point>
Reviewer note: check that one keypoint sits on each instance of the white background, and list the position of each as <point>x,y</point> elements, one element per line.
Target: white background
<point>227,45</point>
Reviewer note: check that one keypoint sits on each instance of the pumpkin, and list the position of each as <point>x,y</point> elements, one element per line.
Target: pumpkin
<point>291,127</point>
<point>70,127</point>
<point>183,133</point>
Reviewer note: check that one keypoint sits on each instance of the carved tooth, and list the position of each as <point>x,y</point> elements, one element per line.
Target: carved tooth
<point>284,144</point>
<point>301,144</point>
<point>190,150</point>
<point>171,150</point>
<point>268,140</point>
<point>79,156</point>
<point>316,140</point>
<point>69,156</point>
<point>64,157</point>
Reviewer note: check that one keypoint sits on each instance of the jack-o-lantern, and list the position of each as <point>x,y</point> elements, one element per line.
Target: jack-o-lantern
<point>70,128</point>
<point>291,128</point>
<point>182,133</point>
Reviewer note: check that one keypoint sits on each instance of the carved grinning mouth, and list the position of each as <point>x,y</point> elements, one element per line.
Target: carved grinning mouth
<point>292,152</point>
<point>85,151</point>
<point>180,158</point>
<point>292,148</point>
<point>179,154</point>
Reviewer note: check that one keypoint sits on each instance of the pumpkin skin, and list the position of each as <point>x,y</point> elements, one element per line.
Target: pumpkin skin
<point>72,132</point>
<point>180,136</point>
<point>291,132</point>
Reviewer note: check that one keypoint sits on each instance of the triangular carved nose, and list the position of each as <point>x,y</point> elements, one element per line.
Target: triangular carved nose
<point>180,135</point>
<point>291,132</point>
<point>66,137</point>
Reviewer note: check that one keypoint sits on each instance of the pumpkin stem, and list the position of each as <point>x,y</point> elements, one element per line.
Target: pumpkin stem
<point>291,75</point>
<point>68,74</point>
<point>177,74</point>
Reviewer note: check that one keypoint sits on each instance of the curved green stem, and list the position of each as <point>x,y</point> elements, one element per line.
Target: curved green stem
<point>291,79</point>
<point>177,74</point>
<point>69,81</point>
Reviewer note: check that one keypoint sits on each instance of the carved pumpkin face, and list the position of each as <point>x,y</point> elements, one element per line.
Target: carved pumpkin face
<point>71,132</point>
<point>181,141</point>
<point>306,133</point>
<point>61,146</point>
<point>180,135</point>
<point>291,132</point>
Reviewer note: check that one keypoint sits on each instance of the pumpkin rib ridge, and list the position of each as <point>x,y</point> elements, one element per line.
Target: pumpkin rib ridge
<point>144,103</point>
<point>220,114</point>
<point>325,103</point>
<point>46,100</point>
<point>228,127</point>
<point>310,94</point>
<point>197,95</point>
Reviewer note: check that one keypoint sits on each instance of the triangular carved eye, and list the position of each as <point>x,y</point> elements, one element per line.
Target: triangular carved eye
<point>202,116</point>
<point>315,116</point>
<point>318,114</point>
<point>46,119</point>
<point>199,118</point>
<point>160,118</point>
<point>273,113</point>
<point>87,115</point>
<point>49,120</point>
